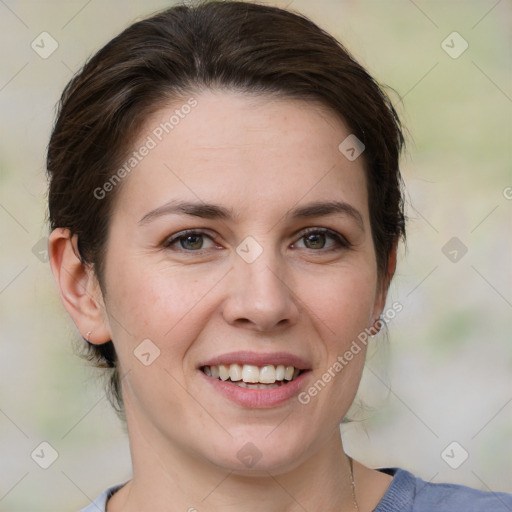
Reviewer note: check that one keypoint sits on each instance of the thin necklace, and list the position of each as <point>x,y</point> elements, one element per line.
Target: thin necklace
<point>353,484</point>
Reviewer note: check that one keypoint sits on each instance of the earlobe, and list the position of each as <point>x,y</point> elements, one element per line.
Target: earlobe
<point>78,287</point>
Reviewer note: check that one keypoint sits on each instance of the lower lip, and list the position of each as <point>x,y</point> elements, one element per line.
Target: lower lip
<point>258,398</point>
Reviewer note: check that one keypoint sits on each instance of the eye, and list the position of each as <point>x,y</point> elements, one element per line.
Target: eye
<point>190,240</point>
<point>315,239</point>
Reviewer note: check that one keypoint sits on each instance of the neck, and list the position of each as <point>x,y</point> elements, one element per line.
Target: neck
<point>169,479</point>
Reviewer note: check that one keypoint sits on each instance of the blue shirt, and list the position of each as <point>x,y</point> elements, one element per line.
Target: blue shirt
<point>406,493</point>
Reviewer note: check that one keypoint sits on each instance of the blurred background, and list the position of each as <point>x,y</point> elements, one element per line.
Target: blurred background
<point>440,390</point>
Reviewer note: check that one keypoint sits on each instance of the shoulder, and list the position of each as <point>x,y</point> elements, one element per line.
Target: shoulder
<point>408,493</point>
<point>100,503</point>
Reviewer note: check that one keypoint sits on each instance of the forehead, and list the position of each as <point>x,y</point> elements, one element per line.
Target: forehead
<point>244,149</point>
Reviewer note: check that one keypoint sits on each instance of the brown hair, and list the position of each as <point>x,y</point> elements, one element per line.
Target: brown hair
<point>214,45</point>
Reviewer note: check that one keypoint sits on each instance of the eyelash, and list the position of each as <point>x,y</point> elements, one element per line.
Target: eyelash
<point>340,240</point>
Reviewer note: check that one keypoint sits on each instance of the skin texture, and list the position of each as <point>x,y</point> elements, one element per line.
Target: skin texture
<point>260,157</point>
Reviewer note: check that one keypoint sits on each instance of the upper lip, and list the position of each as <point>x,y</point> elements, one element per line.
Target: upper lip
<point>258,359</point>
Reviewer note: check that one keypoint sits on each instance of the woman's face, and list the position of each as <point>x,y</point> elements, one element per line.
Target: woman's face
<point>265,277</point>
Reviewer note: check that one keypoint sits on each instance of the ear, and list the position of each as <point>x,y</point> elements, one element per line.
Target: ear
<point>78,287</point>
<point>385,281</point>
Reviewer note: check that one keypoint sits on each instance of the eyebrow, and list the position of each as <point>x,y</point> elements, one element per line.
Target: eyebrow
<point>214,211</point>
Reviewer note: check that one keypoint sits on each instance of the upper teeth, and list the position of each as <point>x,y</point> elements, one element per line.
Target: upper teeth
<point>267,374</point>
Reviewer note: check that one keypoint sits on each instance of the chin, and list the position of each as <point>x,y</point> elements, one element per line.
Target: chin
<point>260,451</point>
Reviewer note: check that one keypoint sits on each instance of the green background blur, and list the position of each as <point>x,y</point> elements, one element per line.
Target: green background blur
<point>449,357</point>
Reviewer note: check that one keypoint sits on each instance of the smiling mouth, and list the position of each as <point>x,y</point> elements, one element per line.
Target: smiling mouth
<point>253,377</point>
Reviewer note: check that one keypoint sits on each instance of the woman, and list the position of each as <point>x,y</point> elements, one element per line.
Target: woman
<point>225,204</point>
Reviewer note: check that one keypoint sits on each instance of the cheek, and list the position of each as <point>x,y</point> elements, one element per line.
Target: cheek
<point>163,309</point>
<point>343,302</point>
<point>163,305</point>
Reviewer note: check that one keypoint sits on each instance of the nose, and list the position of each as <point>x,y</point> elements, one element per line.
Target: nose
<point>260,296</point>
